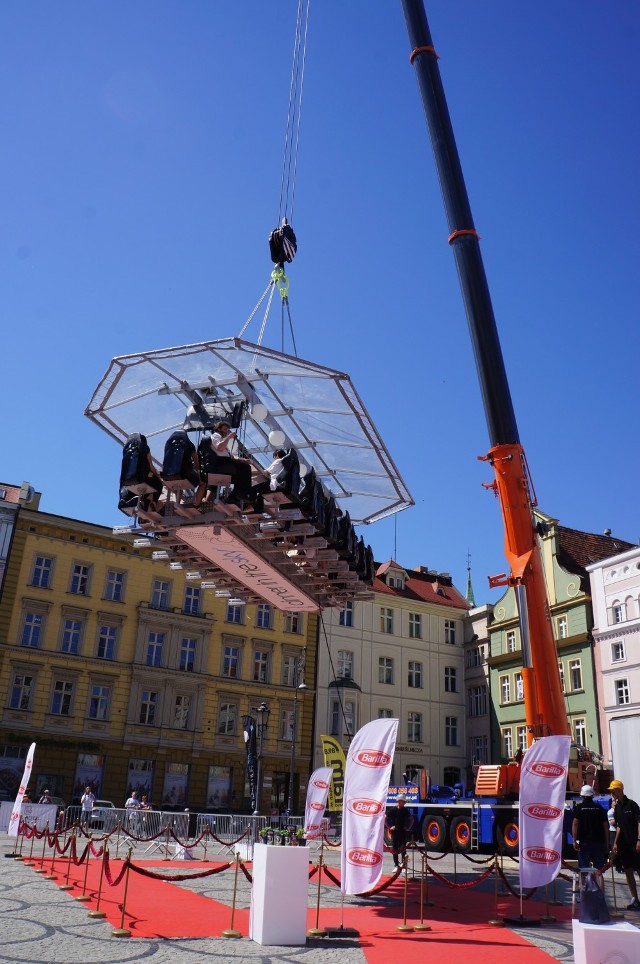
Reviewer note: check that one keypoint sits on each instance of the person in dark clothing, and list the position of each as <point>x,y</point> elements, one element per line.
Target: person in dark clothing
<point>220,460</point>
<point>590,831</point>
<point>399,822</point>
<point>626,844</point>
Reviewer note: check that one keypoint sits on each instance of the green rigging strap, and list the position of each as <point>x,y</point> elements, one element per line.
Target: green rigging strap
<point>279,277</point>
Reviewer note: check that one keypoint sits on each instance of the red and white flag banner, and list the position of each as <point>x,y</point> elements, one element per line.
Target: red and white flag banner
<point>543,789</point>
<point>317,792</point>
<point>15,813</point>
<point>366,784</point>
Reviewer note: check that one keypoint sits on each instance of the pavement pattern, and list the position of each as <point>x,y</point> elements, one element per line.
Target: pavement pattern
<point>40,924</point>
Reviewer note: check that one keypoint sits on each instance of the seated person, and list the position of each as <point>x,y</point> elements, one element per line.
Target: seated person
<point>276,478</point>
<point>220,460</point>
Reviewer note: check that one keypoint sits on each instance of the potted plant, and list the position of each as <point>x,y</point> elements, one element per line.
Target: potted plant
<point>299,837</point>
<point>284,836</point>
<point>263,833</point>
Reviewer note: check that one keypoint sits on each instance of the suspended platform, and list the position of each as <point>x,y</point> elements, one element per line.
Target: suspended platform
<point>289,555</point>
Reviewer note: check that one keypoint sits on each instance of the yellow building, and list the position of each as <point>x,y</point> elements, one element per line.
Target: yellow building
<point>127,674</point>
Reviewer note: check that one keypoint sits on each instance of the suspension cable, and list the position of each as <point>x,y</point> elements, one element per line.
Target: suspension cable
<point>294,113</point>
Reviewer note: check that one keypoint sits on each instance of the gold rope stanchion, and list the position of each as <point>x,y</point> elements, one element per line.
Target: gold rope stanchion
<point>547,918</point>
<point>404,926</point>
<point>122,930</point>
<point>318,931</point>
<point>29,860</point>
<point>231,932</point>
<point>67,885</point>
<point>422,926</point>
<point>84,895</point>
<point>207,831</point>
<point>615,912</point>
<point>97,912</point>
<point>496,921</point>
<point>41,868</point>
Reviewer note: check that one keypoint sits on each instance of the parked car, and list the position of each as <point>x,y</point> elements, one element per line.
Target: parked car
<point>103,816</point>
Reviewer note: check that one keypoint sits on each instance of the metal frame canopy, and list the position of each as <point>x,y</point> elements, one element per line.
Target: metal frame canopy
<point>317,409</point>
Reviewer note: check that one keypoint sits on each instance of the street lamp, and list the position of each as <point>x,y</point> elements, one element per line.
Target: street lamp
<point>262,713</point>
<point>300,685</point>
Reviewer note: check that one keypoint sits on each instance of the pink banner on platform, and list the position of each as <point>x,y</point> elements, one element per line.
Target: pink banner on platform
<point>366,784</point>
<point>317,793</point>
<point>15,813</point>
<point>543,789</point>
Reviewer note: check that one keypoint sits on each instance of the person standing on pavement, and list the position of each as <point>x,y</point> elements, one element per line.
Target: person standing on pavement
<point>626,844</point>
<point>87,801</point>
<point>399,822</point>
<point>590,831</point>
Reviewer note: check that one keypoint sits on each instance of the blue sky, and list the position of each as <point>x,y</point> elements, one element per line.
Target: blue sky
<point>139,180</point>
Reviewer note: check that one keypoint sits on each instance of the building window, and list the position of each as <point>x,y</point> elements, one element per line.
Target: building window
<point>188,654</point>
<point>71,633</point>
<point>42,572</point>
<point>479,750</point>
<point>618,613</point>
<point>231,662</point>
<point>450,679</point>
<point>415,675</point>
<point>475,656</point>
<point>617,652</point>
<point>227,719</point>
<point>580,732</point>
<point>289,670</point>
<point>519,686</point>
<point>31,630</point>
<point>349,719</point>
<point>80,579</point>
<point>114,586</point>
<point>477,700</point>
<point>622,692</point>
<point>575,672</point>
<point>414,728</point>
<point>346,614</point>
<point>260,666</point>
<point>99,702</point>
<point>107,642</point>
<point>192,598</point>
<point>521,737</point>
<point>21,690</point>
<point>148,703</point>
<point>563,630</point>
<point>160,594</point>
<point>264,616</point>
<point>415,626</point>
<point>450,632</point>
<point>386,619</point>
<point>511,641</point>
<point>235,613</point>
<point>293,623</point>
<point>385,669</point>
<point>155,642</point>
<point>61,701</point>
<point>385,714</point>
<point>451,730</point>
<point>286,724</point>
<point>505,689</point>
<point>181,712</point>
<point>345,664</point>
<point>507,743</point>
<point>561,671</point>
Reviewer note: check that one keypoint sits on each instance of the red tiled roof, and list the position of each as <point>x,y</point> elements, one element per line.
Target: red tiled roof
<point>426,587</point>
<point>577,550</point>
<point>12,493</point>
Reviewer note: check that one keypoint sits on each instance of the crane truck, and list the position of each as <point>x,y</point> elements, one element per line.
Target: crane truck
<point>490,817</point>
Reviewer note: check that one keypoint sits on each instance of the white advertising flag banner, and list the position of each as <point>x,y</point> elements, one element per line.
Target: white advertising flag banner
<point>15,813</point>
<point>366,784</point>
<point>317,793</point>
<point>543,789</point>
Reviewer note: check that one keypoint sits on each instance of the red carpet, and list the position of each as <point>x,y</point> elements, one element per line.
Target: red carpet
<point>458,919</point>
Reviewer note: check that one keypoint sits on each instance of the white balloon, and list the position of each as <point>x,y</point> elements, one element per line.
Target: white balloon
<point>303,470</point>
<point>276,438</point>
<point>259,412</point>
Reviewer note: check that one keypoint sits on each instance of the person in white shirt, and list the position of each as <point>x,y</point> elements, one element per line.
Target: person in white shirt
<point>276,474</point>
<point>87,801</point>
<point>220,460</point>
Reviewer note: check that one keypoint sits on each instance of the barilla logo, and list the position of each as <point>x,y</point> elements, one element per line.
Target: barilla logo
<point>321,784</point>
<point>372,758</point>
<point>546,769</point>
<point>540,855</point>
<point>542,811</point>
<point>312,826</point>
<point>363,858</point>
<point>365,808</point>
<point>316,806</point>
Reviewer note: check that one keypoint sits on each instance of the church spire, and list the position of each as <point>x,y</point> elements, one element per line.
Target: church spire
<point>470,597</point>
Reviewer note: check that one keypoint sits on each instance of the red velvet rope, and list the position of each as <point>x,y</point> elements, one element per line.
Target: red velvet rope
<point>465,886</point>
<point>170,878</point>
<point>527,896</point>
<point>107,871</point>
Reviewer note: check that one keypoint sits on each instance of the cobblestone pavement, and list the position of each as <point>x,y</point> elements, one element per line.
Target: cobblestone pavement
<point>40,924</point>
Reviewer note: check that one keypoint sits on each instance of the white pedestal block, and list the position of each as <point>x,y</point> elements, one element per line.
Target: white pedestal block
<point>601,943</point>
<point>279,896</point>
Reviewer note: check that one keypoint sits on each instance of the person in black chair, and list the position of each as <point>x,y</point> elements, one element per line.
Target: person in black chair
<point>221,461</point>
